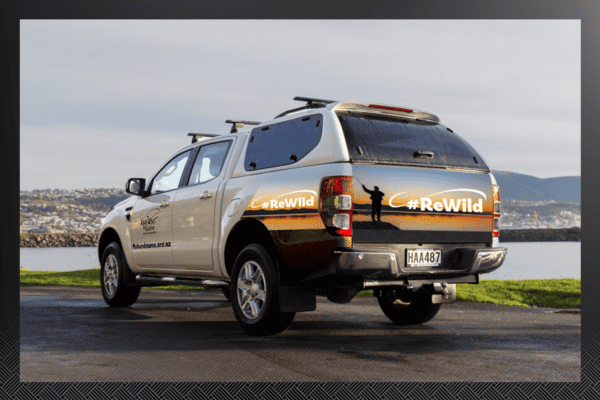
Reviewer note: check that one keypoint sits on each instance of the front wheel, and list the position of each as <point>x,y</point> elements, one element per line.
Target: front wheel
<point>254,294</point>
<point>113,278</point>
<point>419,310</point>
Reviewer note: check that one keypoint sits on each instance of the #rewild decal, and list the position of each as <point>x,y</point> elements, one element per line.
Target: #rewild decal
<point>287,201</point>
<point>467,205</point>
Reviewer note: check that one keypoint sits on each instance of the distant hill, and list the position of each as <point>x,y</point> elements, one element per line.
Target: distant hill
<point>513,186</point>
<point>101,203</point>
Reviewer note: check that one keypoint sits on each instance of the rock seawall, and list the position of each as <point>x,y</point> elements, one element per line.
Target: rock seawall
<point>58,240</point>
<point>89,239</point>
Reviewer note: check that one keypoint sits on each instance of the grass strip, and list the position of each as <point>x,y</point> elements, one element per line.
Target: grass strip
<point>86,278</point>
<point>554,293</point>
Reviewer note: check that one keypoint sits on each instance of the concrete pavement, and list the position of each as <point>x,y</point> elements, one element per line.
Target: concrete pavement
<point>69,334</point>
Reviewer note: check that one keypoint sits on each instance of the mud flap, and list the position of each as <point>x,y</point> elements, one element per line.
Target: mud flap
<point>296,298</point>
<point>128,276</point>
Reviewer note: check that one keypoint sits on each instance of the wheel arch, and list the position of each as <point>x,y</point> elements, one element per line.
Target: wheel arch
<point>245,232</point>
<point>107,237</point>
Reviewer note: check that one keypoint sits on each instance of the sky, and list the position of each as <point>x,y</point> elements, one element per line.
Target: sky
<point>105,100</point>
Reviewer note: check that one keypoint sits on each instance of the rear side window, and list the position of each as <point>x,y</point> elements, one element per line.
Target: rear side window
<point>283,143</point>
<point>390,141</point>
<point>209,162</point>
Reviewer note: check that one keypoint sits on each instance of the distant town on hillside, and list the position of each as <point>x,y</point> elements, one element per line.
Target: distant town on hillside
<point>66,211</point>
<point>527,203</point>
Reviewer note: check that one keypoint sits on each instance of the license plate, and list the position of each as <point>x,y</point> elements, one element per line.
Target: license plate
<point>423,257</point>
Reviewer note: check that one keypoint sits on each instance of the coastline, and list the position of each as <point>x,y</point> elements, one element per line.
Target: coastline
<point>46,240</point>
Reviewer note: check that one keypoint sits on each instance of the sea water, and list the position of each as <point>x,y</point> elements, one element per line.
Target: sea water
<point>525,260</point>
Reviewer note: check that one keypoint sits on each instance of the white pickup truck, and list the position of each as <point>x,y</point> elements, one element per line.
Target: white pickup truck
<point>326,199</point>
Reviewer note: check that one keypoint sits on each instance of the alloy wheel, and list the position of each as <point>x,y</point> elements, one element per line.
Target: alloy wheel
<point>111,275</point>
<point>251,290</point>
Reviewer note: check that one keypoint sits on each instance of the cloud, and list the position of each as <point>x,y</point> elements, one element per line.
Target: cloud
<point>77,156</point>
<point>540,147</point>
<point>180,76</point>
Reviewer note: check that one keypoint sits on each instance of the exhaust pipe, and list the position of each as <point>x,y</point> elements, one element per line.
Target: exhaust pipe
<point>369,284</point>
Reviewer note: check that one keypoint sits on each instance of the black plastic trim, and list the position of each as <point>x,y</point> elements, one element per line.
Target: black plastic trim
<point>185,177</point>
<point>425,236</point>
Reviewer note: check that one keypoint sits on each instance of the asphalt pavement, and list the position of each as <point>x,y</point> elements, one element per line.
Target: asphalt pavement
<point>70,334</point>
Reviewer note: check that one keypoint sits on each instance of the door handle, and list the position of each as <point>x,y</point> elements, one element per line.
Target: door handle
<point>421,154</point>
<point>165,204</point>
<point>206,195</point>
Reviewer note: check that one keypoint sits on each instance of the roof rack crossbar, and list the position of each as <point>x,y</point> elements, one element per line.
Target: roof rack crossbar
<point>239,124</point>
<point>197,136</point>
<point>310,103</point>
<point>311,100</point>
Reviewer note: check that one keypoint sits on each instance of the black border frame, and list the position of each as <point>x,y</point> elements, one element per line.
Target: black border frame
<point>12,12</point>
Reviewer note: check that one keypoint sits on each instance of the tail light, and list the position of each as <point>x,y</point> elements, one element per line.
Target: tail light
<point>335,204</point>
<point>496,199</point>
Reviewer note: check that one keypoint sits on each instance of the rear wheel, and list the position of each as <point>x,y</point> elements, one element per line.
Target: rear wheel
<point>115,278</point>
<point>416,310</point>
<point>254,293</point>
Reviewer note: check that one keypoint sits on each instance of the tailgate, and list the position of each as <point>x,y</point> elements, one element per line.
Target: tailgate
<point>394,204</point>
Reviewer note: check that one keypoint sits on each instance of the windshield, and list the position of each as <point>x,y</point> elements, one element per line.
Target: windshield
<point>389,141</point>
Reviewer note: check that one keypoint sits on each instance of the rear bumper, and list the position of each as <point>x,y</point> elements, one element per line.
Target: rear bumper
<point>390,264</point>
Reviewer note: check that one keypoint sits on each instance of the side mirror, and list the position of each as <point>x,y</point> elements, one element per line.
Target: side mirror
<point>135,186</point>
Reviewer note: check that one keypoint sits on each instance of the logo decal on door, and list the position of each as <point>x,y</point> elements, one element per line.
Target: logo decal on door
<point>149,220</point>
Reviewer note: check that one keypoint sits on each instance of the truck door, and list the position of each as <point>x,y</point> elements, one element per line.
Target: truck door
<point>152,224</point>
<point>196,209</point>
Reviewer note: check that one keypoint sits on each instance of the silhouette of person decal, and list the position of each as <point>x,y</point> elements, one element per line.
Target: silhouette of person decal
<point>376,198</point>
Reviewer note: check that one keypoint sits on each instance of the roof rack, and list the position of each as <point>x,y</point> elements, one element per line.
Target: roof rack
<point>238,124</point>
<point>311,100</point>
<point>310,103</point>
<point>196,136</point>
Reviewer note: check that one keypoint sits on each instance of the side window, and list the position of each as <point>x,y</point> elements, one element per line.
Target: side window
<point>283,143</point>
<point>209,162</point>
<point>168,178</point>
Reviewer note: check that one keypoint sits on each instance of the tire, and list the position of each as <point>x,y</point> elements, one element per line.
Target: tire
<point>254,293</point>
<point>116,279</point>
<point>227,293</point>
<point>418,311</point>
